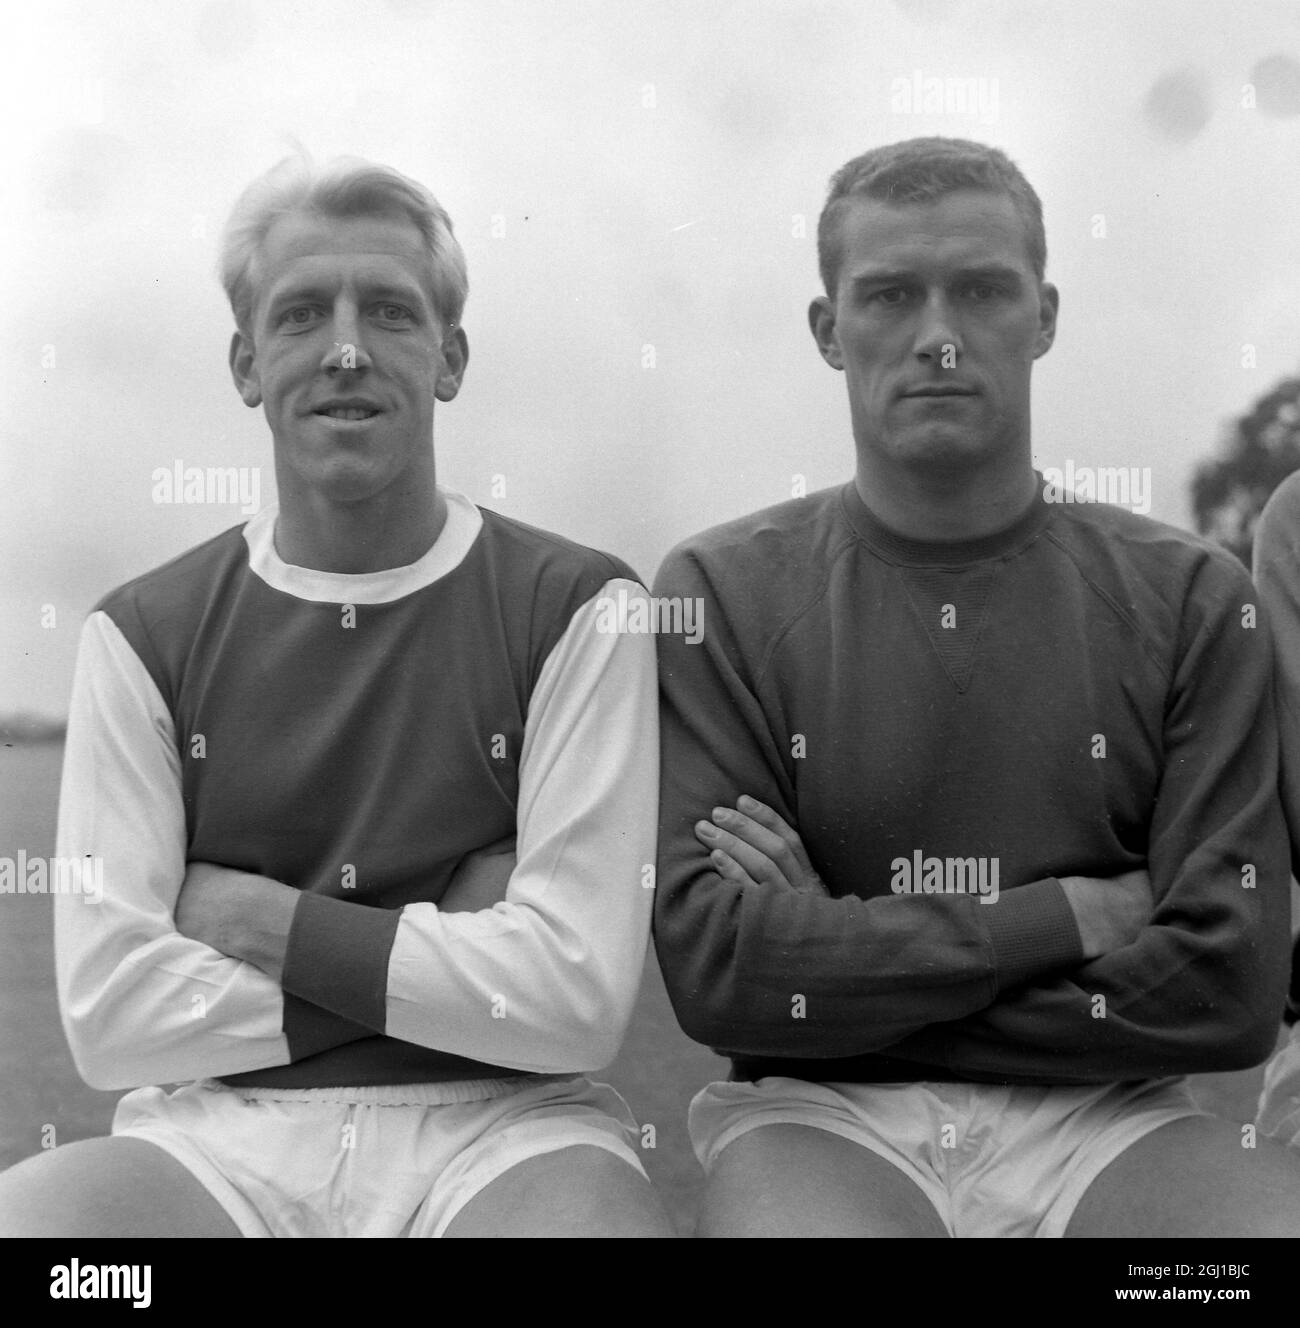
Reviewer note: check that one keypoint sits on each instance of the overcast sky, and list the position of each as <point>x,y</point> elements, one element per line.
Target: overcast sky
<point>636,186</point>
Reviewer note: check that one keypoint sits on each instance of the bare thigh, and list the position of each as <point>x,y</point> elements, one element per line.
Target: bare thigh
<point>1192,1177</point>
<point>795,1180</point>
<point>107,1187</point>
<point>577,1191</point>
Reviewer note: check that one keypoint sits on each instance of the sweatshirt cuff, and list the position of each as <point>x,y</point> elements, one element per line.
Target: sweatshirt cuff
<point>310,1030</point>
<point>337,957</point>
<point>1033,932</point>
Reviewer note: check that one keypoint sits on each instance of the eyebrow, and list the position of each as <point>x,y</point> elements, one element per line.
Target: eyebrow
<point>979,271</point>
<point>383,290</point>
<point>994,271</point>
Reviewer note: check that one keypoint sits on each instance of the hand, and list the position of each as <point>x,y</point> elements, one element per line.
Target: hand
<point>1109,912</point>
<point>206,905</point>
<point>753,844</point>
<point>237,913</point>
<point>480,878</point>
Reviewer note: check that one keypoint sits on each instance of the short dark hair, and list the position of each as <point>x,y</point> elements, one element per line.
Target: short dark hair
<point>922,170</point>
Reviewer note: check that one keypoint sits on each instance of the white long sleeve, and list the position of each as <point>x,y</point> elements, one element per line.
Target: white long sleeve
<point>141,1004</point>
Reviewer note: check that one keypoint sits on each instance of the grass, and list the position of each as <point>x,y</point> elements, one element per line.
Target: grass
<point>658,1071</point>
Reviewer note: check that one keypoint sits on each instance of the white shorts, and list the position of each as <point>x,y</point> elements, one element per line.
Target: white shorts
<point>994,1161</point>
<point>1279,1102</point>
<point>385,1161</point>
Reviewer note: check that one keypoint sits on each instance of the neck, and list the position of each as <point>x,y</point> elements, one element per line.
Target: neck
<point>946,504</point>
<point>392,529</point>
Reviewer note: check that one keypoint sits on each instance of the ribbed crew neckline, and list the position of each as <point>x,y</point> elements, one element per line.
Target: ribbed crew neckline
<point>944,553</point>
<point>447,552</point>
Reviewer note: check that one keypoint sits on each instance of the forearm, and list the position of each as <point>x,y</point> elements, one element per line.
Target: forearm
<point>767,972</point>
<point>1155,1008</point>
<point>1199,988</point>
<point>249,918</point>
<point>239,914</point>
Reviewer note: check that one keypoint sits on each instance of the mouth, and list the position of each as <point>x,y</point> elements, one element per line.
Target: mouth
<point>349,412</point>
<point>929,393</point>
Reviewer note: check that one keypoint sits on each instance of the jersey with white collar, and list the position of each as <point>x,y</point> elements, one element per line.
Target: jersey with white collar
<point>355,736</point>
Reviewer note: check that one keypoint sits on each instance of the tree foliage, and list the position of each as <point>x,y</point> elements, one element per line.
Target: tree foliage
<point>1258,452</point>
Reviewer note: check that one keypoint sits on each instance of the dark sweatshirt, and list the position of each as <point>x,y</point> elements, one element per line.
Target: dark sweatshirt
<point>1086,693</point>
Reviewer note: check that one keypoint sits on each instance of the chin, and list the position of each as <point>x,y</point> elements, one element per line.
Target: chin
<point>940,448</point>
<point>346,483</point>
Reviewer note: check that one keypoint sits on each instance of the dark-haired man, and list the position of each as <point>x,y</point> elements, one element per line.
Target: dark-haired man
<point>969,844</point>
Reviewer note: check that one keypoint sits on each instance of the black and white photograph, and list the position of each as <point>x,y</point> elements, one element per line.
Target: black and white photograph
<point>654,620</point>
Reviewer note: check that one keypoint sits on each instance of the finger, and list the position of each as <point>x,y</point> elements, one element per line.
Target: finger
<point>746,828</point>
<point>769,819</point>
<point>728,868</point>
<point>757,836</point>
<point>755,863</point>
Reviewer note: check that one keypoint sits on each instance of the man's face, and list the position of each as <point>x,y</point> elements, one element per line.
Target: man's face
<point>936,321</point>
<point>347,354</point>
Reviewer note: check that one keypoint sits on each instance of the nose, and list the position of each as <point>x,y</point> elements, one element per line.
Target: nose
<point>937,339</point>
<point>346,350</point>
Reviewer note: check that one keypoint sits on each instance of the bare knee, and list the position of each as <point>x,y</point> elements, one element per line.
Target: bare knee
<point>1195,1177</point>
<point>577,1191</point>
<point>51,1194</point>
<point>107,1187</point>
<point>796,1180</point>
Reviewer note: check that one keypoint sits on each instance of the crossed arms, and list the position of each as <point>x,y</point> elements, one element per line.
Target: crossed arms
<point>1189,977</point>
<point>144,1003</point>
<point>157,985</point>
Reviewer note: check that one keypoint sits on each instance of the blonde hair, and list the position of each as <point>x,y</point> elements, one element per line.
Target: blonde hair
<point>343,187</point>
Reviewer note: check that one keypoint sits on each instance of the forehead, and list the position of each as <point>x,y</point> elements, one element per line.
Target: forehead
<point>307,249</point>
<point>969,228</point>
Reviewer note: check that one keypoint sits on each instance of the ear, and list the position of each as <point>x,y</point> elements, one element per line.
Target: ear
<point>1049,302</point>
<point>821,319</point>
<point>243,369</point>
<point>455,356</point>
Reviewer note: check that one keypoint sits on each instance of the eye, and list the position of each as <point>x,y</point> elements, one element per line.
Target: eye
<point>395,313</point>
<point>890,296</point>
<point>983,290</point>
<point>298,316</point>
